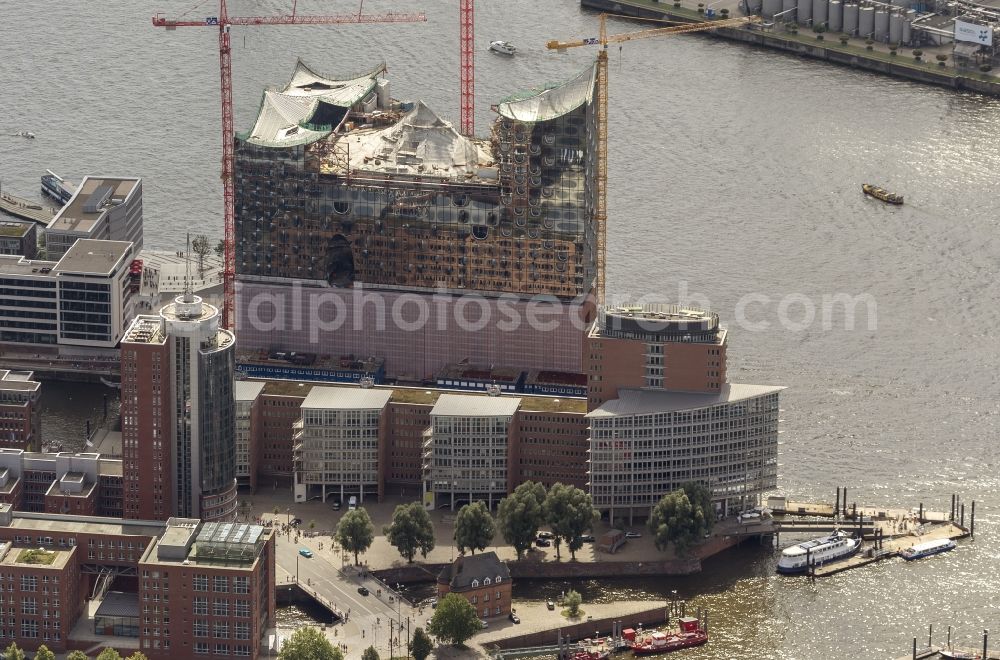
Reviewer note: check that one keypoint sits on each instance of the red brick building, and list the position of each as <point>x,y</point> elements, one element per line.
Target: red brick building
<point>481,579</point>
<point>20,410</point>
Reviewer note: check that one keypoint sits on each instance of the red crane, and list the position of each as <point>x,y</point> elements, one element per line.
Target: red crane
<point>467,65</point>
<point>222,22</point>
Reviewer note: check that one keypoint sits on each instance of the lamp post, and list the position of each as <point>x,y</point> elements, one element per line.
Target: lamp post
<point>297,557</point>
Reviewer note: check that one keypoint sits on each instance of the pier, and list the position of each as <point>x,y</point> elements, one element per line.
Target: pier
<point>931,650</point>
<point>26,209</point>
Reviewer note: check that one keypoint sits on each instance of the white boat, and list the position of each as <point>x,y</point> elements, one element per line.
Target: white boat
<point>503,47</point>
<point>927,549</point>
<point>24,134</point>
<point>817,552</point>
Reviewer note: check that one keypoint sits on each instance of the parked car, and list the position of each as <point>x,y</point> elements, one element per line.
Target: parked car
<point>633,535</point>
<point>586,538</point>
<point>484,623</point>
<point>542,543</point>
<point>363,591</point>
<point>306,552</point>
<point>549,604</point>
<point>296,522</point>
<point>513,617</point>
<point>352,503</point>
<point>335,505</point>
<point>434,603</point>
<point>546,535</point>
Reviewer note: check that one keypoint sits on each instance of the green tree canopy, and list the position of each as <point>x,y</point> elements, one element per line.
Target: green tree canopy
<point>520,514</point>
<point>421,646</point>
<point>454,620</point>
<point>701,499</point>
<point>201,247</point>
<point>43,653</point>
<point>355,532</point>
<point>474,528</point>
<point>109,654</point>
<point>307,643</point>
<point>570,512</point>
<point>675,519</point>
<point>411,530</point>
<point>369,654</point>
<point>77,655</point>
<point>137,655</point>
<point>572,602</point>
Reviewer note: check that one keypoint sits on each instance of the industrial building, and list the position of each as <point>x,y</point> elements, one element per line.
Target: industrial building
<point>102,208</point>
<point>178,413</point>
<point>81,302</point>
<point>20,410</point>
<point>370,227</point>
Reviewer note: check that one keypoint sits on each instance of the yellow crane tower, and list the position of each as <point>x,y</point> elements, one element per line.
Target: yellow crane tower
<point>601,210</point>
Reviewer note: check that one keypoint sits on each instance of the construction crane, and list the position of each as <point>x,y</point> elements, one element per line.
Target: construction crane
<point>467,65</point>
<point>601,206</point>
<point>222,22</point>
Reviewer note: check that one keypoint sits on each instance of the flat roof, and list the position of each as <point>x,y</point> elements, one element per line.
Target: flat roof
<point>12,264</point>
<point>67,524</point>
<point>247,390</point>
<point>19,381</point>
<point>74,218</point>
<point>346,398</point>
<point>62,556</point>
<point>12,228</point>
<point>145,329</point>
<point>640,402</point>
<point>465,405</point>
<point>93,257</point>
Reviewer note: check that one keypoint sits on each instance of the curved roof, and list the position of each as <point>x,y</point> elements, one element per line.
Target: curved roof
<point>284,114</point>
<point>551,101</point>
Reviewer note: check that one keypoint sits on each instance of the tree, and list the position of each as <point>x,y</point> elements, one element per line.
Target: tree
<point>201,247</point>
<point>572,602</point>
<point>370,654</point>
<point>137,655</point>
<point>43,653</point>
<point>312,524</point>
<point>411,530</point>
<point>307,643</point>
<point>109,654</point>
<point>355,532</point>
<point>421,646</point>
<point>77,655</point>
<point>474,528</point>
<point>455,620</point>
<point>678,520</point>
<point>521,514</point>
<point>701,498</point>
<point>13,653</point>
<point>220,248</point>
<point>570,512</point>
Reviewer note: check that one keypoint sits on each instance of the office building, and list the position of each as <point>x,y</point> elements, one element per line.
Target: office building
<point>178,413</point>
<point>102,208</point>
<point>19,239</point>
<point>248,410</point>
<point>20,410</point>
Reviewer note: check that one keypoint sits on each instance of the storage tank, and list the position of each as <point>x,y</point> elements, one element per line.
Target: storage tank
<point>881,25</point>
<point>835,16</point>
<point>788,6</point>
<point>895,28</point>
<point>819,12</point>
<point>907,21</point>
<point>805,11</point>
<point>771,7</point>
<point>851,19</point>
<point>866,22</point>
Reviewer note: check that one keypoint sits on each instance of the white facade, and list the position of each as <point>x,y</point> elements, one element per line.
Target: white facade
<point>337,443</point>
<point>646,444</point>
<point>102,208</point>
<point>466,452</point>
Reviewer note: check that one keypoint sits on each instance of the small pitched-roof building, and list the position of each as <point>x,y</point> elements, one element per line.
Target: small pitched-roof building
<point>482,579</point>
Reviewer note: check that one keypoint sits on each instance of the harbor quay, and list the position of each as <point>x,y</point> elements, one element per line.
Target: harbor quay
<point>962,68</point>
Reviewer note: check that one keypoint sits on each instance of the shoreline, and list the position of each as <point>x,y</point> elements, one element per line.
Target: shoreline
<point>806,45</point>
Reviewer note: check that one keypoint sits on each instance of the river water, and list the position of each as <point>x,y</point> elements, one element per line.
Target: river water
<point>734,182</point>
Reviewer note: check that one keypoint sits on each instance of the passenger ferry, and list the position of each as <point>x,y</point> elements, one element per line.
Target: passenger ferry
<point>56,187</point>
<point>927,549</point>
<point>824,550</point>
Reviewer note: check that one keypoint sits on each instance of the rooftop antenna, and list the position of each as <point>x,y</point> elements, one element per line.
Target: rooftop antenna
<point>188,293</point>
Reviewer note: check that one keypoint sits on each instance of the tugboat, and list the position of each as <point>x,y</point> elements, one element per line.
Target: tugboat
<point>690,634</point>
<point>882,194</point>
<point>503,47</point>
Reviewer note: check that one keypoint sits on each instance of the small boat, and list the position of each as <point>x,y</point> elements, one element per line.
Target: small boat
<point>503,47</point>
<point>927,549</point>
<point>690,634</point>
<point>24,134</point>
<point>958,655</point>
<point>591,654</point>
<point>817,552</point>
<point>882,194</point>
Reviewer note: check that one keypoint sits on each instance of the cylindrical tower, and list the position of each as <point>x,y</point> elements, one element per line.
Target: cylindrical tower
<point>202,365</point>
